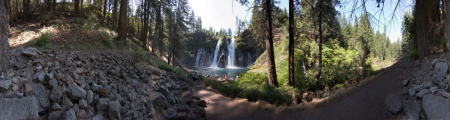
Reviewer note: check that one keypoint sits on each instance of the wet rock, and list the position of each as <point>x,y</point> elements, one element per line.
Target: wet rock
<point>25,108</point>
<point>75,92</point>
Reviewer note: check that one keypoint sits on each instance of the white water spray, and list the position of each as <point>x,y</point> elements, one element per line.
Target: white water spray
<point>216,52</point>
<point>231,53</point>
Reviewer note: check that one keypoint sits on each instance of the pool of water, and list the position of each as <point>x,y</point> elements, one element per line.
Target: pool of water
<point>230,72</point>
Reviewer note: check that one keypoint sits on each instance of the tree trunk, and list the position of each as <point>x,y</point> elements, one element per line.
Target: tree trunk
<point>422,29</point>
<point>8,12</point>
<point>115,14</point>
<point>269,45</point>
<point>81,5</point>
<point>77,7</point>
<point>447,25</point>
<point>291,43</point>
<point>144,35</point>
<point>25,9</point>
<point>319,71</point>
<point>42,10</point>
<point>122,34</point>
<point>104,11</point>
<point>157,29</point>
<point>4,49</point>
<point>54,6</point>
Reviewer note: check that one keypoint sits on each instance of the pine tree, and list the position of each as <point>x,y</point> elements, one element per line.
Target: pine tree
<point>4,49</point>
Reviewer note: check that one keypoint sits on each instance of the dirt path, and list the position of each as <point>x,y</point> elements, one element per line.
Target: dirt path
<point>366,102</point>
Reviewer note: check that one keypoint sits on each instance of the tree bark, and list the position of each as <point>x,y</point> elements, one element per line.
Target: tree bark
<point>291,43</point>
<point>319,71</point>
<point>144,35</point>
<point>77,7</point>
<point>54,5</point>
<point>157,28</point>
<point>122,34</point>
<point>447,25</point>
<point>104,11</point>
<point>422,29</point>
<point>4,49</point>
<point>115,14</point>
<point>26,9</point>
<point>8,12</point>
<point>81,5</point>
<point>269,45</point>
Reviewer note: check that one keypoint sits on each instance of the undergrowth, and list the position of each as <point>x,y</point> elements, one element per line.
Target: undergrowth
<point>169,68</point>
<point>252,86</point>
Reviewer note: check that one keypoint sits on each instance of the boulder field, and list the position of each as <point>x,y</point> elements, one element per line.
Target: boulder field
<point>426,93</point>
<point>72,85</point>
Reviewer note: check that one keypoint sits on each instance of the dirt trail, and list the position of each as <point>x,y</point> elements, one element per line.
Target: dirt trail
<point>366,102</point>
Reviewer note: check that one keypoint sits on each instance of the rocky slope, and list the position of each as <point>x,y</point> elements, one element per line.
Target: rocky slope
<point>92,85</point>
<point>426,93</point>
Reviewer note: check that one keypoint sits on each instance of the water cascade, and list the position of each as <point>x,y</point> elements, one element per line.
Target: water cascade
<point>231,53</point>
<point>216,52</point>
<point>198,59</point>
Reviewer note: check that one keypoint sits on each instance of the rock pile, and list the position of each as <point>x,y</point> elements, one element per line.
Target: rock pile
<point>426,93</point>
<point>73,85</point>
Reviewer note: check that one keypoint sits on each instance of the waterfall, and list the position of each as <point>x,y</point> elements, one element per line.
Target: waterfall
<point>231,52</point>
<point>216,52</point>
<point>304,70</point>
<point>199,54</point>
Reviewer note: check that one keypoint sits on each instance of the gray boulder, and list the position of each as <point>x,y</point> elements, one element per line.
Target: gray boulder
<point>114,109</point>
<point>5,85</point>
<point>76,92</point>
<point>30,51</point>
<point>393,103</point>
<point>170,113</point>
<point>103,104</point>
<point>405,82</point>
<point>41,95</point>
<point>412,92</point>
<point>70,115</point>
<point>412,109</point>
<point>440,72</point>
<point>56,95</point>
<point>25,108</point>
<point>436,107</point>
<point>423,92</point>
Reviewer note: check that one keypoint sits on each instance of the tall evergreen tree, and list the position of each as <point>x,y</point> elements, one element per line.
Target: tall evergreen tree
<point>4,49</point>
<point>122,33</point>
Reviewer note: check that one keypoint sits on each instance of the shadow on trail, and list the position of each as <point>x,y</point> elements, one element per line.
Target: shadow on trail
<point>366,102</point>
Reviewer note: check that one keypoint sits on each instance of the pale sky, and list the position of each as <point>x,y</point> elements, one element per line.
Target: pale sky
<point>222,14</point>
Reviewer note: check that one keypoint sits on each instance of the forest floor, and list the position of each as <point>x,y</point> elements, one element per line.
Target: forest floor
<point>364,102</point>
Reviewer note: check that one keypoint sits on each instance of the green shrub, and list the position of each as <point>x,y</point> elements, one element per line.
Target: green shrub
<point>414,55</point>
<point>252,86</point>
<point>43,41</point>
<point>169,68</point>
<point>141,54</point>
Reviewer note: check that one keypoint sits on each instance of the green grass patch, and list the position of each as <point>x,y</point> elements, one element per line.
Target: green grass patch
<point>141,54</point>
